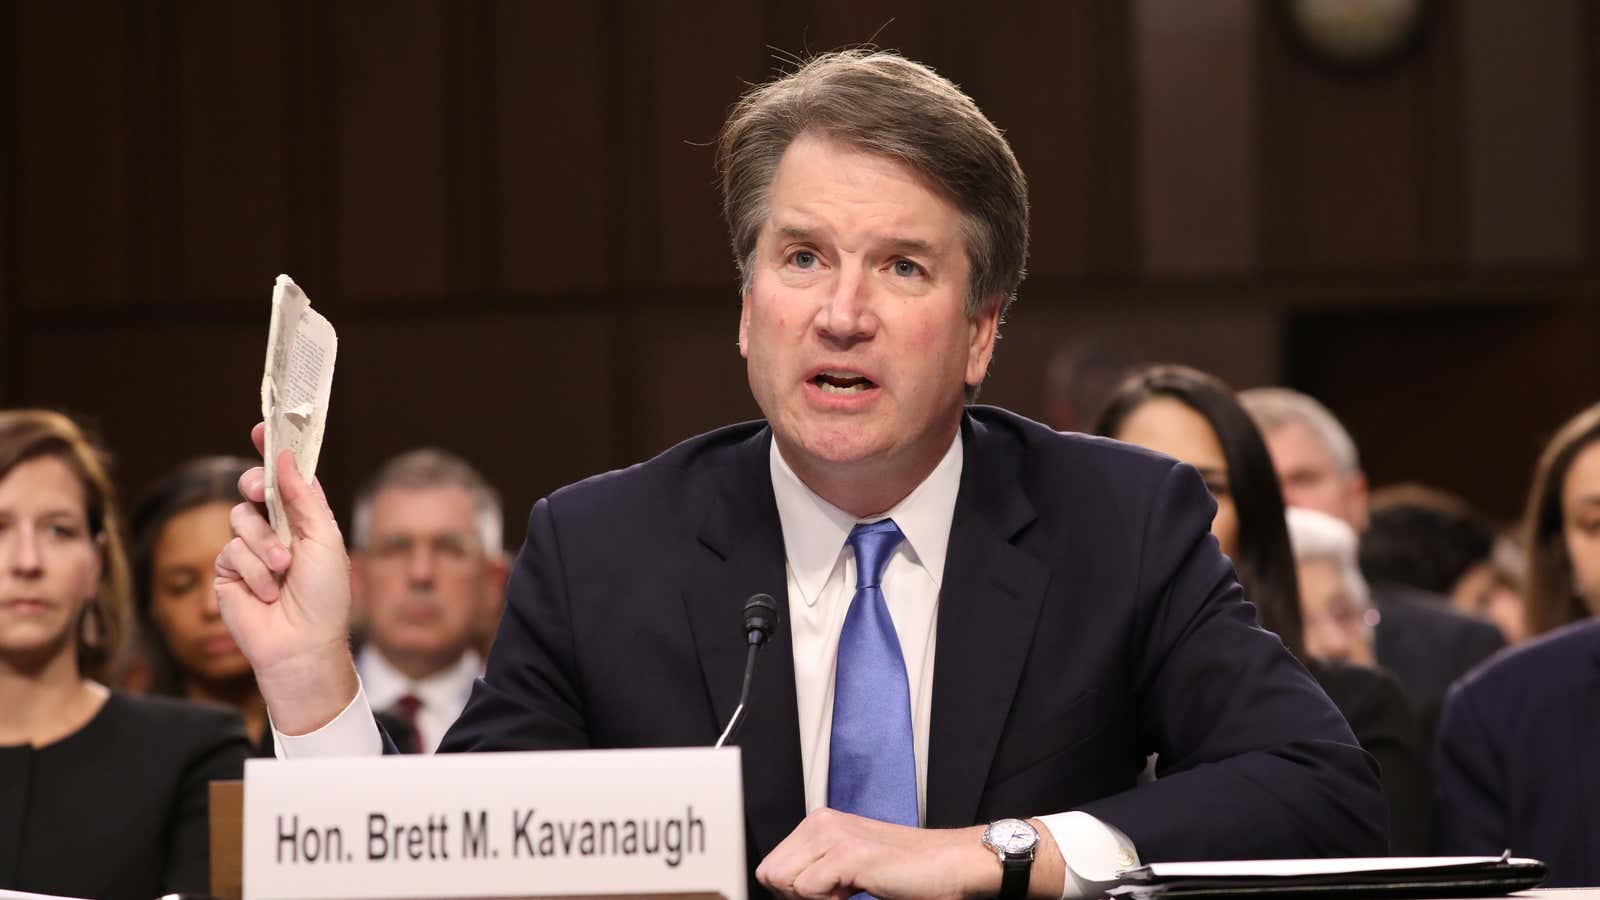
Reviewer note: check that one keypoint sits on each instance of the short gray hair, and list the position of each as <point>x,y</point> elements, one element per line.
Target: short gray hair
<point>1319,537</point>
<point>1274,407</point>
<point>430,467</point>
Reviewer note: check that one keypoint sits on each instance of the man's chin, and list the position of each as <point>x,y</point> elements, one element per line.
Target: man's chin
<point>839,447</point>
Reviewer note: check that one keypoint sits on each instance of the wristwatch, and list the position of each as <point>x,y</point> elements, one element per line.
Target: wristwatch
<point>1013,840</point>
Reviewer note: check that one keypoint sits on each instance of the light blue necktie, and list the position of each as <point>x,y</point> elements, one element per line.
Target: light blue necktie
<point>872,764</point>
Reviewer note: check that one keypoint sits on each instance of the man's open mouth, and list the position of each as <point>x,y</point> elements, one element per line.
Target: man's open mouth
<point>842,383</point>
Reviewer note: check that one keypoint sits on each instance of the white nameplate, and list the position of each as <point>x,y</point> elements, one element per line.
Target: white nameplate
<point>495,825</point>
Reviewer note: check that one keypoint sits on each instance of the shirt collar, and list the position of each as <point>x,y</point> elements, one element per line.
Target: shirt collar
<point>445,689</point>
<point>814,530</point>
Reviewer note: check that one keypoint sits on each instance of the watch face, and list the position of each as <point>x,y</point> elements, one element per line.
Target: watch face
<point>1011,836</point>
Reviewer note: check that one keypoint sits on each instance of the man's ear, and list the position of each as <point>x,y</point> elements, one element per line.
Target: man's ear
<point>497,569</point>
<point>744,326</point>
<point>984,330</point>
<point>1357,492</point>
<point>492,604</point>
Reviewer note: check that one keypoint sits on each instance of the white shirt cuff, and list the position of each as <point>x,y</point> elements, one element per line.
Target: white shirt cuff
<point>353,732</point>
<point>1094,853</point>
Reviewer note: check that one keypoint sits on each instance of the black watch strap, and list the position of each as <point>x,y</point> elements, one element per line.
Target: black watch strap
<point>1014,877</point>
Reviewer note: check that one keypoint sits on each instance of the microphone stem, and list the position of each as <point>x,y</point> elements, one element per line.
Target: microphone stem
<point>744,694</point>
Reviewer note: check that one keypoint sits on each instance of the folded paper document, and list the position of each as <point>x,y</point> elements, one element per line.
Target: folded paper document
<point>1425,876</point>
<point>295,385</point>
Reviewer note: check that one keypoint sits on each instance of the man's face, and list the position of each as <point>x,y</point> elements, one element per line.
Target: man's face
<point>1311,477</point>
<point>424,578</point>
<point>1336,629</point>
<point>854,329</point>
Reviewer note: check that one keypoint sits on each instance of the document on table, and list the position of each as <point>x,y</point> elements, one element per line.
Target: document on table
<point>1365,877</point>
<point>295,387</point>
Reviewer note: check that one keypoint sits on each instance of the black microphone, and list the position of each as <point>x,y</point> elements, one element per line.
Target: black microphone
<point>760,619</point>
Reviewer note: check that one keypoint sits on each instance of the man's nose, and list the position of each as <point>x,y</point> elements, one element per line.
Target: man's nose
<point>420,564</point>
<point>847,315</point>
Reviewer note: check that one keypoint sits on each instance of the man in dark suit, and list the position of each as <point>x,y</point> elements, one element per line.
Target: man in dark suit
<point>1518,763</point>
<point>1081,615</point>
<point>1419,638</point>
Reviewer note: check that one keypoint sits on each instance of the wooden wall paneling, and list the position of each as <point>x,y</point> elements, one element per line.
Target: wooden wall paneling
<point>1589,94</point>
<point>1032,80</point>
<point>153,183</point>
<point>77,219</point>
<point>633,204</point>
<point>691,93</point>
<point>312,126</point>
<point>206,378</point>
<point>11,336</point>
<point>1347,157</point>
<point>525,397</point>
<point>694,379</point>
<point>1442,396</point>
<point>392,177</point>
<point>1108,42</point>
<point>1198,117</point>
<point>1522,132</point>
<point>1237,343</point>
<point>469,126</point>
<point>230,162</point>
<point>916,30</point>
<point>1438,101</point>
<point>557,170</point>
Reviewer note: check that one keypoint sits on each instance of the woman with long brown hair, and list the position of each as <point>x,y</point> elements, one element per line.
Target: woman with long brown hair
<point>1516,759</point>
<point>109,789</point>
<point>1561,528</point>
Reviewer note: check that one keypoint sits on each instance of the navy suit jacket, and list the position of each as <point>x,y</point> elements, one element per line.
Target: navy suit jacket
<point>1086,619</point>
<point>1518,762</point>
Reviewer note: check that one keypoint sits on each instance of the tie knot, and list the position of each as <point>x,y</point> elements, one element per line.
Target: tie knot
<point>408,706</point>
<point>873,543</point>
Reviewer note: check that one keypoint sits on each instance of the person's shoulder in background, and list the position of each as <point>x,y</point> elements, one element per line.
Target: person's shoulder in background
<point>1547,671</point>
<point>1516,763</point>
<point>1381,716</point>
<point>182,730</point>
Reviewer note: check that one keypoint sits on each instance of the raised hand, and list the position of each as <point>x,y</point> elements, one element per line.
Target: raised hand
<point>289,607</point>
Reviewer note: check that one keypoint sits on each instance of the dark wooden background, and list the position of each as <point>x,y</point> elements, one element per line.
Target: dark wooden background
<point>508,211</point>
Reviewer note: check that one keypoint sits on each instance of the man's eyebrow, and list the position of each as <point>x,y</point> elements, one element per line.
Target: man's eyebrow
<point>796,233</point>
<point>913,246</point>
<point>905,245</point>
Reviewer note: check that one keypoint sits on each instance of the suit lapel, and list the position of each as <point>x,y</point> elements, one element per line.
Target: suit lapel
<point>988,605</point>
<point>744,555</point>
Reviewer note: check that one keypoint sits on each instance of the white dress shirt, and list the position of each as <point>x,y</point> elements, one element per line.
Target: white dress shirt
<point>441,696</point>
<point>821,576</point>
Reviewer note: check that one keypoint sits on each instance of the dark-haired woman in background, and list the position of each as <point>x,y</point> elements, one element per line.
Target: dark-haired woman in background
<point>1193,417</point>
<point>179,527</point>
<point>102,794</point>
